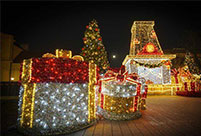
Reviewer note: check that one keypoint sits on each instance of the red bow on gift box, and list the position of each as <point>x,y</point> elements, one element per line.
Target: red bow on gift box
<point>120,75</point>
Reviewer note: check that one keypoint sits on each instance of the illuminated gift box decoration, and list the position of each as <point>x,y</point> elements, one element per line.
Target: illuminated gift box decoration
<point>188,84</point>
<point>147,59</point>
<point>57,95</point>
<point>121,95</point>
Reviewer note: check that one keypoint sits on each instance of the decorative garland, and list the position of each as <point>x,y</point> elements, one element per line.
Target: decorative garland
<point>167,62</point>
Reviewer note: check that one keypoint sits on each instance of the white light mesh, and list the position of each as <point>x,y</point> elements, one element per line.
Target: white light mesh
<point>58,105</point>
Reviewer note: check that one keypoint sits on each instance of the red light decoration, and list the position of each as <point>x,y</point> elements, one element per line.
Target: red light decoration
<point>150,49</point>
<point>60,70</point>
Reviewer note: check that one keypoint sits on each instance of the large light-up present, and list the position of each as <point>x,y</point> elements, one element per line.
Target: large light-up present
<point>189,83</point>
<point>57,95</point>
<point>121,95</point>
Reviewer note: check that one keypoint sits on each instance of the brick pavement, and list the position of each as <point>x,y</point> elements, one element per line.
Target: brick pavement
<point>165,116</point>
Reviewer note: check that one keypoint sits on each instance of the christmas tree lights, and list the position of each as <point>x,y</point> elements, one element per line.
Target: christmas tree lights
<point>190,62</point>
<point>94,49</point>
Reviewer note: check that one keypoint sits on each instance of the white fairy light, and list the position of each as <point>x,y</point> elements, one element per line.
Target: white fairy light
<point>76,89</point>
<point>45,126</point>
<point>42,101</point>
<point>45,103</point>
<point>85,107</point>
<point>37,120</point>
<point>81,95</point>
<point>65,89</point>
<point>73,115</point>
<point>36,90</point>
<point>63,99</point>
<point>52,97</point>
<point>47,84</point>
<point>73,106</point>
<point>123,90</point>
<point>84,85</point>
<point>68,93</point>
<point>63,107</point>
<point>83,103</point>
<point>77,119</point>
<point>73,95</point>
<point>67,123</point>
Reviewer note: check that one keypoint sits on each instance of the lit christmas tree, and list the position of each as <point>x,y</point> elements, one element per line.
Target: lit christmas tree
<point>94,49</point>
<point>190,62</point>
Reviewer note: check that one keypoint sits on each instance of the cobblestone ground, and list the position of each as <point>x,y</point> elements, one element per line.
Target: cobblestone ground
<point>165,115</point>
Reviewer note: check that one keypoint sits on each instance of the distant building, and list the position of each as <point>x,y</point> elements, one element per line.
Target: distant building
<point>10,70</point>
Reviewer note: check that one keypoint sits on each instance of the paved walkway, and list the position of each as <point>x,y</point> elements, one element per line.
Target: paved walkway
<point>165,116</point>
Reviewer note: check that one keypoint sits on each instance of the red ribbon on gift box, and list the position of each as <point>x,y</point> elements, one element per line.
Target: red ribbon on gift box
<point>120,76</point>
<point>175,73</point>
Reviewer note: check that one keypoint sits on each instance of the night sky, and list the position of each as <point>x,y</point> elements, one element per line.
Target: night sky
<point>46,26</point>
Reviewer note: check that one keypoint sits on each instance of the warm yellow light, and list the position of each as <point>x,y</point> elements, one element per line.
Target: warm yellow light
<point>150,48</point>
<point>12,78</point>
<point>78,58</point>
<point>91,90</point>
<point>32,104</point>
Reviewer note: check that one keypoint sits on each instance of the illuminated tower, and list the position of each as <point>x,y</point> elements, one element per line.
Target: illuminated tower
<point>146,56</point>
<point>142,34</point>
